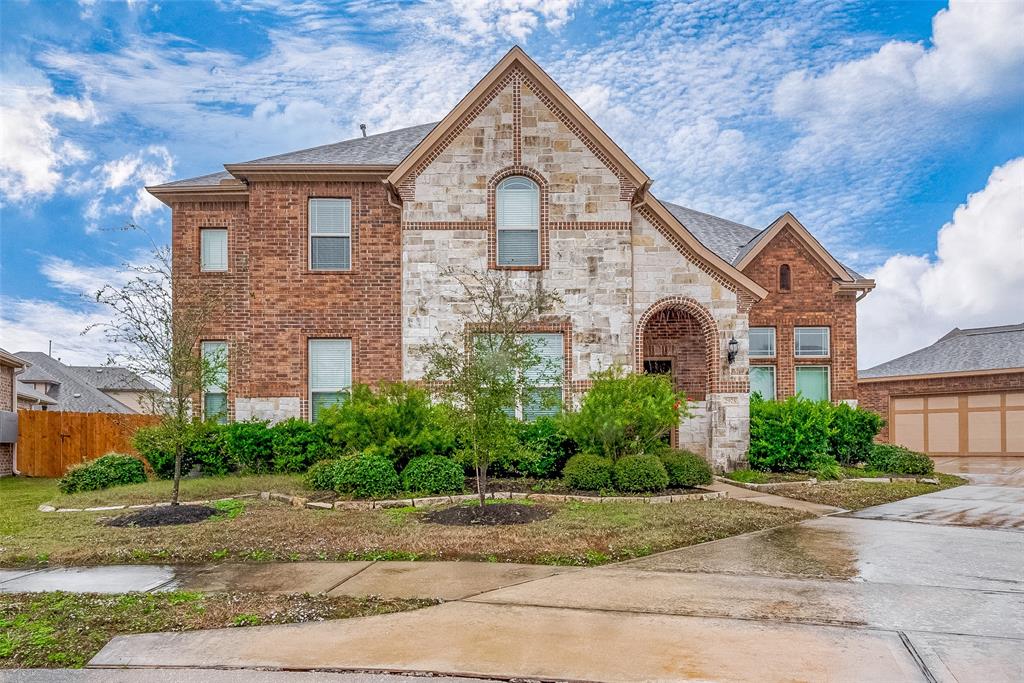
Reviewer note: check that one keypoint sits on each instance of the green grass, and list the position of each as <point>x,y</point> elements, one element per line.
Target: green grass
<point>68,629</point>
<point>264,531</point>
<point>854,495</point>
<point>199,488</point>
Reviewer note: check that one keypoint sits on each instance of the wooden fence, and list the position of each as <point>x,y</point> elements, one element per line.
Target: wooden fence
<point>49,442</point>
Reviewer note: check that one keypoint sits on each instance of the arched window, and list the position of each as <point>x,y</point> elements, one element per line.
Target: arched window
<point>784,278</point>
<point>517,201</point>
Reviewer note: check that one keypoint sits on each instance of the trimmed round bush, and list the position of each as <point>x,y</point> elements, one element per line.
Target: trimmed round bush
<point>321,475</point>
<point>433,474</point>
<point>686,469</point>
<point>898,460</point>
<point>112,469</point>
<point>250,445</point>
<point>640,474</point>
<point>366,476</point>
<point>588,472</point>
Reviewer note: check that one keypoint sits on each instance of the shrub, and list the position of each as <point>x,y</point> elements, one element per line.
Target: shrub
<point>854,432</point>
<point>786,436</point>
<point>825,467</point>
<point>202,444</point>
<point>321,475</point>
<point>398,417</point>
<point>366,476</point>
<point>249,445</point>
<point>640,474</point>
<point>588,472</point>
<point>898,460</point>
<point>112,469</point>
<point>686,469</point>
<point>625,414</point>
<point>545,447</point>
<point>297,444</point>
<point>433,474</point>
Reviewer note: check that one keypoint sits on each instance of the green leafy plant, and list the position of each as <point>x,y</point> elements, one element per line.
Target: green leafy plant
<point>588,472</point>
<point>825,467</point>
<point>320,476</point>
<point>543,449</point>
<point>747,476</point>
<point>204,446</point>
<point>250,445</point>
<point>201,443</point>
<point>157,445</point>
<point>686,469</point>
<point>397,416</point>
<point>433,474</point>
<point>109,470</point>
<point>626,414</point>
<point>853,433</point>
<point>297,444</point>
<point>893,459</point>
<point>366,476</point>
<point>786,436</point>
<point>640,474</point>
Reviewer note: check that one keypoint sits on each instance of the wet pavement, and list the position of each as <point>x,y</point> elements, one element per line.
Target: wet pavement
<point>121,579</point>
<point>930,589</point>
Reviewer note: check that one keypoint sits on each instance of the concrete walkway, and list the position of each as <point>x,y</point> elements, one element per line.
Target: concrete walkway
<point>750,495</point>
<point>875,595</point>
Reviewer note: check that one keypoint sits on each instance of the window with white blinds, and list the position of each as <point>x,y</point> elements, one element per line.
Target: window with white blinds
<point>517,204</point>
<point>544,392</point>
<point>213,249</point>
<point>330,234</point>
<point>330,373</point>
<point>215,396</point>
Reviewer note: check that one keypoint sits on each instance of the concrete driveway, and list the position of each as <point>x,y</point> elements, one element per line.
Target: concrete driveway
<point>925,590</point>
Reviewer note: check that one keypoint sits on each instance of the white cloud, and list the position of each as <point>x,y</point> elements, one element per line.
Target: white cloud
<point>118,187</point>
<point>32,150</point>
<point>884,101</point>
<point>31,324</point>
<point>74,278</point>
<point>975,278</point>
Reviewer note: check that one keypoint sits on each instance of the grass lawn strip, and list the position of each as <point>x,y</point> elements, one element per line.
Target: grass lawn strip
<point>68,629</point>
<point>854,495</point>
<point>575,534</point>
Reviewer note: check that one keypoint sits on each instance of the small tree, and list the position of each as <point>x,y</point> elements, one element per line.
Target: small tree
<point>161,342</point>
<point>484,370</point>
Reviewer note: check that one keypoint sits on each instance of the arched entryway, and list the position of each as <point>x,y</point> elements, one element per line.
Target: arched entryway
<point>678,337</point>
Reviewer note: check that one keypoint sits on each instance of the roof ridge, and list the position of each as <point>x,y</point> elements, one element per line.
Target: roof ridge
<point>331,144</point>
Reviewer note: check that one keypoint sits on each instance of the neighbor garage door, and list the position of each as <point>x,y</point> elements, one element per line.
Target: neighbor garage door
<point>967,424</point>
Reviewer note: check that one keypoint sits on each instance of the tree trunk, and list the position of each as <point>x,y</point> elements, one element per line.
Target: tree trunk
<point>481,483</point>
<point>177,474</point>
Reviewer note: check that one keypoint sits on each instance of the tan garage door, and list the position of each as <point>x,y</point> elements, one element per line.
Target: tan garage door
<point>967,424</point>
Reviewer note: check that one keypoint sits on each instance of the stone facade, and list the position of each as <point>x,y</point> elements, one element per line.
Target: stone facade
<point>810,301</point>
<point>876,395</point>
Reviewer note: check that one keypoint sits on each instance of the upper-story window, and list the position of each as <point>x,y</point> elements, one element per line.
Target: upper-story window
<point>517,201</point>
<point>812,342</point>
<point>762,342</point>
<point>785,278</point>
<point>213,249</point>
<point>330,234</point>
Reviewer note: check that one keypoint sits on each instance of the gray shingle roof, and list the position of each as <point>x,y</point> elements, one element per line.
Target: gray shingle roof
<point>28,393</point>
<point>105,377</point>
<point>725,238</point>
<point>34,373</point>
<point>981,348</point>
<point>382,149</point>
<point>211,180</point>
<point>74,394</point>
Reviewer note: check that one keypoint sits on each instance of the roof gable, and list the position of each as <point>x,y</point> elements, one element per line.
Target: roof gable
<point>788,220</point>
<point>517,65</point>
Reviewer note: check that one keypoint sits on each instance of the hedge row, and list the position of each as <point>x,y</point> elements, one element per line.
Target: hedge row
<point>370,475</point>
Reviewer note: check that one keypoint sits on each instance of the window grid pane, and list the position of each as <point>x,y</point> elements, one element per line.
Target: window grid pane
<point>330,234</point>
<point>517,209</point>
<point>215,353</point>
<point>762,381</point>
<point>811,341</point>
<point>812,383</point>
<point>215,407</point>
<point>330,373</point>
<point>762,342</point>
<point>213,249</point>
<point>331,253</point>
<point>518,247</point>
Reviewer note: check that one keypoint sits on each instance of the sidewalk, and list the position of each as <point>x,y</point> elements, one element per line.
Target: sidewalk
<point>740,493</point>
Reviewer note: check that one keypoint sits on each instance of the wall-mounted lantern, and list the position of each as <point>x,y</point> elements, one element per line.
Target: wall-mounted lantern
<point>734,347</point>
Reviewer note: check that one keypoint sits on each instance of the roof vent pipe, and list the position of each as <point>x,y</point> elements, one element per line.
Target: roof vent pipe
<point>362,127</point>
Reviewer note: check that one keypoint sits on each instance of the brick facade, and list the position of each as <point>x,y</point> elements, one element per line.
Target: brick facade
<point>876,395</point>
<point>7,403</point>
<point>271,303</point>
<point>810,302</point>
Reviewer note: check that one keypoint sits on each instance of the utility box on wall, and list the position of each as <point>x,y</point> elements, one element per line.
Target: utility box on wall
<point>8,426</point>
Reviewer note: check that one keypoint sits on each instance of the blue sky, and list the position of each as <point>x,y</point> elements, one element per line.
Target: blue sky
<point>873,122</point>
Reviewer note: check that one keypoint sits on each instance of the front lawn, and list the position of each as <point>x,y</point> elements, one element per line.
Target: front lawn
<point>576,533</point>
<point>854,495</point>
<point>68,629</point>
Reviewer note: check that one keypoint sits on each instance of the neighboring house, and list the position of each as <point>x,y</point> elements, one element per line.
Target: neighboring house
<point>81,388</point>
<point>329,264</point>
<point>10,365</point>
<point>964,394</point>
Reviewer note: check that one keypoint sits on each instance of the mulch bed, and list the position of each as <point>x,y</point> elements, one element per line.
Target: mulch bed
<point>488,515</point>
<point>166,515</point>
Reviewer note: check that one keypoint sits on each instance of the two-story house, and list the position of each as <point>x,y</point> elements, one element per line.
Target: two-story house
<point>329,266</point>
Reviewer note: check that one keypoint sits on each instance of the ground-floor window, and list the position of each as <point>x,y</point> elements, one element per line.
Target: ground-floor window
<point>762,381</point>
<point>215,396</point>
<point>330,373</point>
<point>812,382</point>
